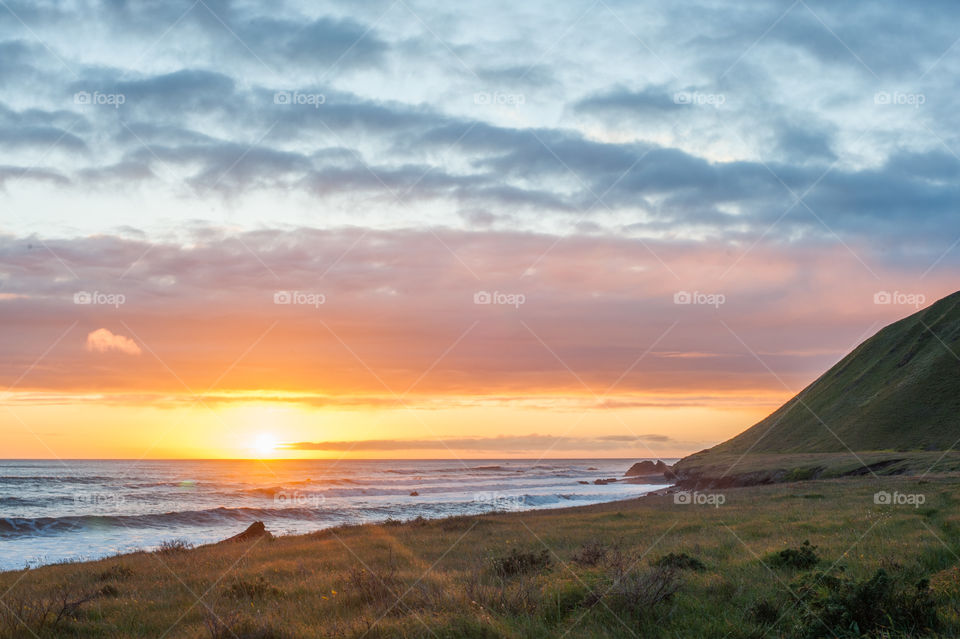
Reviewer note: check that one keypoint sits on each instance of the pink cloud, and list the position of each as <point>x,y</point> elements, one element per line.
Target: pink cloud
<point>348,314</point>
<point>102,340</point>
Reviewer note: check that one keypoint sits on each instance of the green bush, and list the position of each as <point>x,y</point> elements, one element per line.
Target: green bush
<point>680,561</point>
<point>800,558</point>
<point>837,605</point>
<point>764,611</point>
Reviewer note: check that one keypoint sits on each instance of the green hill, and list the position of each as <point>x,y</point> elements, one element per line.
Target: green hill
<point>899,390</point>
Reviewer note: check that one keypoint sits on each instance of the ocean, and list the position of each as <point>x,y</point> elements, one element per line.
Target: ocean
<point>55,511</point>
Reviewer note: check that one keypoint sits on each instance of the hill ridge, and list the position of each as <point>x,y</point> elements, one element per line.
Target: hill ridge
<point>897,390</point>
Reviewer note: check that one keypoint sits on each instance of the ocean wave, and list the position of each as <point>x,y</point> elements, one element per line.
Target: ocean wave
<point>13,527</point>
<point>19,526</point>
<point>444,471</point>
<point>65,479</point>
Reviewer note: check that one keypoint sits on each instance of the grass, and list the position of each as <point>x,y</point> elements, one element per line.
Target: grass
<point>647,568</point>
<point>711,468</point>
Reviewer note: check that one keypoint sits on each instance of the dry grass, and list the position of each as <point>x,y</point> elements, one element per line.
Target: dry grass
<point>438,578</point>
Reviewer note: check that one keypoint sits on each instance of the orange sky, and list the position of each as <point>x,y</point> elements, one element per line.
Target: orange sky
<point>235,431</point>
<point>193,354</point>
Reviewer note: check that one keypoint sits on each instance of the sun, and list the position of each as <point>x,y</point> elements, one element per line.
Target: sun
<point>264,445</point>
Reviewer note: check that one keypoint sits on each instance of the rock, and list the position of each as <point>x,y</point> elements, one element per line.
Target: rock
<point>414,494</point>
<point>583,482</point>
<point>648,468</point>
<point>604,482</point>
<point>645,467</point>
<point>256,530</point>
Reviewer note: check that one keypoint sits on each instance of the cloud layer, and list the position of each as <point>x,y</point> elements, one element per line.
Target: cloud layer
<point>794,123</point>
<point>356,316</point>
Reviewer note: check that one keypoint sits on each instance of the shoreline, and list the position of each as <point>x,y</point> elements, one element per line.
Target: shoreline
<point>388,521</point>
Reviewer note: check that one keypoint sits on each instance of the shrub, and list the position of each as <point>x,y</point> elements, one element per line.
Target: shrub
<point>109,590</point>
<point>680,561</point>
<point>800,558</point>
<point>592,553</point>
<point>837,605</point>
<point>38,613</point>
<point>518,563</point>
<point>638,592</point>
<point>173,546</point>
<point>764,611</point>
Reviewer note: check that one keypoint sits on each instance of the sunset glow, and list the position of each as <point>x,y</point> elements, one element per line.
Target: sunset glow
<point>266,240</point>
<point>264,446</point>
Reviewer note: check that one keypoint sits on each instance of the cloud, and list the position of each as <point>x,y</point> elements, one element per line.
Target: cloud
<point>620,102</point>
<point>102,341</point>
<point>514,443</point>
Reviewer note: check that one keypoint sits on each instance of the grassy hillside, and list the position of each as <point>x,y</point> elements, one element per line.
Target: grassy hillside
<point>899,390</point>
<point>655,567</point>
<point>717,470</point>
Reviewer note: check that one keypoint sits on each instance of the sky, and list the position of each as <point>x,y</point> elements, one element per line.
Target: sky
<point>414,229</point>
